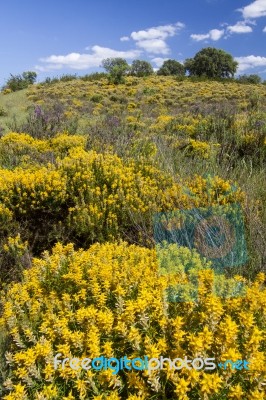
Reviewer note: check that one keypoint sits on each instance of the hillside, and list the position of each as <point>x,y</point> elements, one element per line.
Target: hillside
<point>182,127</point>
<point>93,177</point>
<point>13,109</point>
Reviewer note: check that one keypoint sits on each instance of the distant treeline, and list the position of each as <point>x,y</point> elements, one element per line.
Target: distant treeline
<point>208,64</point>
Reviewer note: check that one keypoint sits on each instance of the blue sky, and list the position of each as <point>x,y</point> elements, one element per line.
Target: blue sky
<point>73,36</point>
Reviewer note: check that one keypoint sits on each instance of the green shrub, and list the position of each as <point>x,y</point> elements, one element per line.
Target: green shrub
<point>19,82</point>
<point>3,112</point>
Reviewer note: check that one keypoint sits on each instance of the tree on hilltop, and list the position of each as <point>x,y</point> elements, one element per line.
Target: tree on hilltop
<point>141,68</point>
<point>171,67</point>
<point>212,63</point>
<point>117,69</point>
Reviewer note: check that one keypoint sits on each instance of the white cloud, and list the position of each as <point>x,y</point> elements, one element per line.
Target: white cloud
<point>105,52</point>
<point>213,34</point>
<point>158,61</point>
<point>216,34</point>
<point>239,27</point>
<point>48,67</point>
<point>84,61</point>
<point>264,29</point>
<point>254,10</point>
<point>199,37</point>
<point>153,40</point>
<point>124,39</point>
<point>250,62</point>
<point>159,32</point>
<point>155,46</point>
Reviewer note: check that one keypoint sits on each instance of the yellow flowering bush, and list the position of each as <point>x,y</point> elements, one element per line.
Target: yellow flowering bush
<point>201,149</point>
<point>22,149</point>
<point>93,197</point>
<point>22,191</point>
<point>6,91</point>
<point>110,300</point>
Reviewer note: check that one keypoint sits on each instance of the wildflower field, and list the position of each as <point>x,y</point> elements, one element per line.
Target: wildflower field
<point>85,167</point>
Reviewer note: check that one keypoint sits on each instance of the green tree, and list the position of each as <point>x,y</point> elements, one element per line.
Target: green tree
<point>212,63</point>
<point>141,68</point>
<point>117,69</point>
<point>30,77</point>
<point>172,67</point>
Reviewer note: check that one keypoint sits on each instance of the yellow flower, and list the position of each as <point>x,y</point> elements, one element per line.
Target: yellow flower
<point>210,383</point>
<point>236,392</point>
<point>19,393</point>
<point>256,395</point>
<point>182,388</point>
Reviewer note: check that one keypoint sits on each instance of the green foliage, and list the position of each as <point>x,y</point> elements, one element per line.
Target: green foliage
<point>68,77</point>
<point>19,82</point>
<point>63,78</point>
<point>95,76</point>
<point>171,67</point>
<point>29,77</point>
<point>141,68</point>
<point>253,78</point>
<point>117,69</point>
<point>50,81</point>
<point>212,63</point>
<point>96,98</point>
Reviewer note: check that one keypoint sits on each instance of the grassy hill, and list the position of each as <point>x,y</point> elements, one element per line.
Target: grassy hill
<point>13,109</point>
<point>87,169</point>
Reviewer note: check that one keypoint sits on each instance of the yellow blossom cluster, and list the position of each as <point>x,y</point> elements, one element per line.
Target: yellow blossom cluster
<point>27,151</point>
<point>110,300</point>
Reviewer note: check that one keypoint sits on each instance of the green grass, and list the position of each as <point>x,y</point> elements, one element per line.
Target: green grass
<point>14,107</point>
